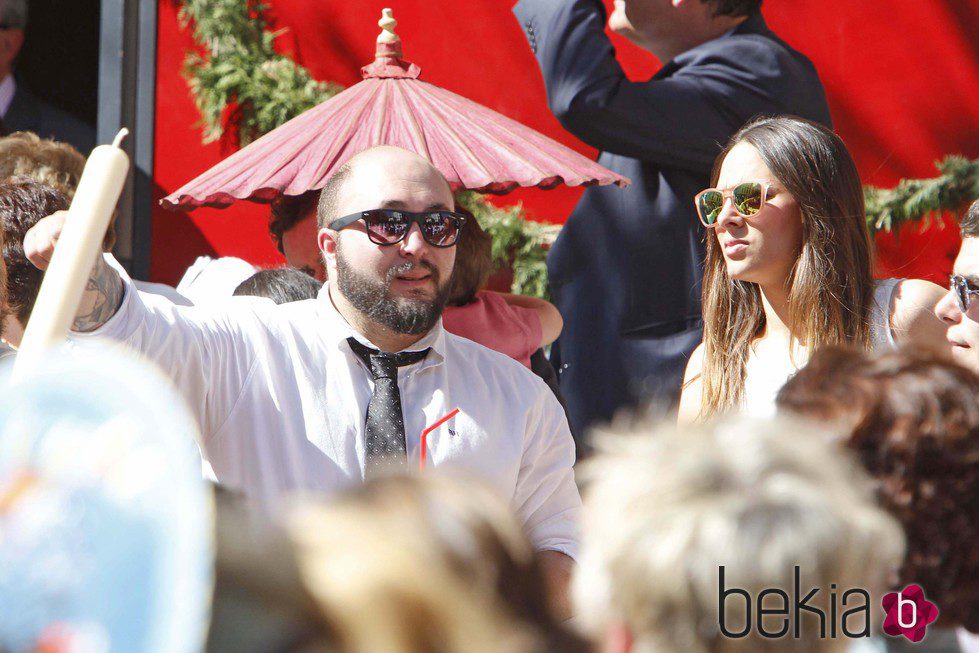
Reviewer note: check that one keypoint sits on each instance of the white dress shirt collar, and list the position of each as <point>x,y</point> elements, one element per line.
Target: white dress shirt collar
<point>7,89</point>
<point>339,330</point>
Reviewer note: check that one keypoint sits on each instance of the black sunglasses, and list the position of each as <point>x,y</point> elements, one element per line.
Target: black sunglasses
<point>390,226</point>
<point>963,290</point>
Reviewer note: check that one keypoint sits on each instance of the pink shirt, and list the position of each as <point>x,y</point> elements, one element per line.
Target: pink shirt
<point>512,330</point>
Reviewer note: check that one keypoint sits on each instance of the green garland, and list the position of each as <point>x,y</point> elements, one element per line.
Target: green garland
<point>239,71</point>
<point>914,200</point>
<point>240,81</point>
<point>517,242</point>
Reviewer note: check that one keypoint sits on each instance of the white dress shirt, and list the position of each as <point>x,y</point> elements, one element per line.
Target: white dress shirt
<point>282,403</point>
<point>209,278</point>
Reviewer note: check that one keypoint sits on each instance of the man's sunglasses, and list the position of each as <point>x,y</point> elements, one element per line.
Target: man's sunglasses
<point>748,199</point>
<point>963,290</point>
<point>390,226</point>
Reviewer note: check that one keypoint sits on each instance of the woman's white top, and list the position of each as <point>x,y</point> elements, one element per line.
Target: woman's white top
<point>765,376</point>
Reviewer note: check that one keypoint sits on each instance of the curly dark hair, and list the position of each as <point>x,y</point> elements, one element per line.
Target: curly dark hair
<point>287,210</point>
<point>23,202</point>
<point>913,419</point>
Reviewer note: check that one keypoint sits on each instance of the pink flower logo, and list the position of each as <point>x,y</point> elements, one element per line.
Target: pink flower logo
<point>908,613</point>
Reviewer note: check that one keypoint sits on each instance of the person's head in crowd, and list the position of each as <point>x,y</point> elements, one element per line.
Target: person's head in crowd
<point>443,561</point>
<point>959,309</point>
<point>390,278</point>
<point>282,285</point>
<point>53,163</point>
<point>293,229</point>
<point>474,262</point>
<point>23,202</point>
<point>260,603</point>
<point>668,27</point>
<point>805,237</point>
<point>666,508</point>
<point>56,164</point>
<point>913,420</point>
<point>13,22</point>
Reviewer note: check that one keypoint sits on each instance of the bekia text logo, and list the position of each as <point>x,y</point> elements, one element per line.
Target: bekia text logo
<point>908,613</point>
<point>775,612</point>
<point>778,614</point>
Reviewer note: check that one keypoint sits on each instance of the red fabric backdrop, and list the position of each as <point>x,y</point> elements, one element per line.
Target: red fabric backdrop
<point>900,75</point>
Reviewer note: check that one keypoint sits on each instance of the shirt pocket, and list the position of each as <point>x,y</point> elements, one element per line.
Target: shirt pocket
<point>463,447</point>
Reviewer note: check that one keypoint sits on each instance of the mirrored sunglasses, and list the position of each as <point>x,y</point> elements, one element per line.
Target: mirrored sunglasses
<point>748,199</point>
<point>963,290</point>
<point>390,226</point>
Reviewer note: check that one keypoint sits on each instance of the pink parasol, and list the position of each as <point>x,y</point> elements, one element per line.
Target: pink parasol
<point>475,147</point>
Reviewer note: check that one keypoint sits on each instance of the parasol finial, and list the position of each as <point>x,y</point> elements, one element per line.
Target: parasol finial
<point>388,58</point>
<point>388,43</point>
<point>387,24</point>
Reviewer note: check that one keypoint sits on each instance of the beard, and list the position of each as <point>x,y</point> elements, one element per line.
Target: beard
<point>372,297</point>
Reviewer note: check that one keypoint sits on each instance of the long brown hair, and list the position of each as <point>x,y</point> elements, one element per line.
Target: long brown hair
<point>830,287</point>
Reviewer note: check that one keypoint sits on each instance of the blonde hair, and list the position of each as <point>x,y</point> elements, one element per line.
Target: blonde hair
<point>665,508</point>
<point>831,284</point>
<point>424,565</point>
<point>49,162</point>
<point>54,164</point>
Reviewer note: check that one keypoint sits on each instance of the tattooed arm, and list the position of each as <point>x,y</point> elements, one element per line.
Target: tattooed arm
<point>104,290</point>
<point>206,354</point>
<point>102,298</point>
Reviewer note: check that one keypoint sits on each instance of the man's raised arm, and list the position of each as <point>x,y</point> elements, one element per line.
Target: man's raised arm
<point>206,353</point>
<point>104,290</point>
<point>680,117</point>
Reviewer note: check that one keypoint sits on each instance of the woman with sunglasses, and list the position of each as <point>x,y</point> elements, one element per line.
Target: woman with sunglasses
<point>789,269</point>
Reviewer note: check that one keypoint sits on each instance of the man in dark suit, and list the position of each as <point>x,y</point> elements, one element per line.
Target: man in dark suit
<point>626,269</point>
<point>21,110</point>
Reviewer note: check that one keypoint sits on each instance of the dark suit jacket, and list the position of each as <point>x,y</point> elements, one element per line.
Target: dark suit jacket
<point>29,113</point>
<point>626,270</point>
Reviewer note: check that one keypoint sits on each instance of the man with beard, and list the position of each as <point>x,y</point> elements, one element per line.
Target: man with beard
<point>281,392</point>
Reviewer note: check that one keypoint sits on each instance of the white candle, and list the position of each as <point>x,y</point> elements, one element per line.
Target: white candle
<point>79,244</point>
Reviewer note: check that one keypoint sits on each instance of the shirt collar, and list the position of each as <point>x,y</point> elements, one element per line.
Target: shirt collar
<point>7,89</point>
<point>338,330</point>
<point>753,24</point>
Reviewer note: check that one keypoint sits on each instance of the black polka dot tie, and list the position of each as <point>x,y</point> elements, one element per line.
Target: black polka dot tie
<point>386,451</point>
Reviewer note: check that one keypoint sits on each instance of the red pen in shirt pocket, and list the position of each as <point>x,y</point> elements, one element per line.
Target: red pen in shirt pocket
<point>423,454</point>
